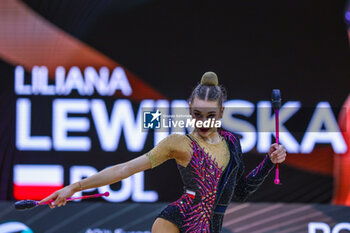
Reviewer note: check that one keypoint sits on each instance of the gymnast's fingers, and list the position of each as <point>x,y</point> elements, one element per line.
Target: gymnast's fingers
<point>59,201</point>
<point>281,155</point>
<point>51,197</point>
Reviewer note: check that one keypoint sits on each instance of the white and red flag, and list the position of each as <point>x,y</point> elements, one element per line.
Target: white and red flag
<point>36,182</point>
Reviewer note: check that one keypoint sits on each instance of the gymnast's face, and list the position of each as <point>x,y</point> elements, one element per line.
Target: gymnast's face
<point>202,110</point>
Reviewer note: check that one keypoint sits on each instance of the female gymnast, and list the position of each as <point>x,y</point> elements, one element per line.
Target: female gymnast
<point>209,161</point>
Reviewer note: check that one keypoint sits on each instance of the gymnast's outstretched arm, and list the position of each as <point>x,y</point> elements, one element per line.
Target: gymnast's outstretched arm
<point>107,176</point>
<point>159,154</point>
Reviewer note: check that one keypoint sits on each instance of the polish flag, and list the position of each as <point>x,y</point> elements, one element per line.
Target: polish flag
<point>36,182</point>
<point>191,194</point>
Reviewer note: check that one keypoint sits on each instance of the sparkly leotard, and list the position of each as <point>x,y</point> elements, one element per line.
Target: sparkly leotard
<point>209,179</point>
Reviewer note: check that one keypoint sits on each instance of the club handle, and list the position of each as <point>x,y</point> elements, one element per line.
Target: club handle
<point>106,194</point>
<point>277,179</point>
<point>277,126</point>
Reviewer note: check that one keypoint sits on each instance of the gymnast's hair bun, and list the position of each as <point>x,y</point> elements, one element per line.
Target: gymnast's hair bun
<point>209,79</point>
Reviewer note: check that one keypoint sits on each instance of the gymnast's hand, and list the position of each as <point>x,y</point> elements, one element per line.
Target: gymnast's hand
<point>59,197</point>
<point>277,153</point>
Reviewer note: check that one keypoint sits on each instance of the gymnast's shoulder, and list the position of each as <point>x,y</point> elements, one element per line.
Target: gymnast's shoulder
<point>176,141</point>
<point>174,146</point>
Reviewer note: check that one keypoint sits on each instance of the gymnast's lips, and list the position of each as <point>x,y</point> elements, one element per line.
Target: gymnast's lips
<point>204,130</point>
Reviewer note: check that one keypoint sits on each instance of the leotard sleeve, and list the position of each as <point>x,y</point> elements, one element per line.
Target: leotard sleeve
<point>166,149</point>
<point>248,184</point>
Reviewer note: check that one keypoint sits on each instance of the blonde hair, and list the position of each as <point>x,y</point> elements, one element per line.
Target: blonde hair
<point>209,89</point>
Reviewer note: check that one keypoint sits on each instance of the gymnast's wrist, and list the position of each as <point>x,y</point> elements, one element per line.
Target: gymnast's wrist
<point>76,187</point>
<point>269,161</point>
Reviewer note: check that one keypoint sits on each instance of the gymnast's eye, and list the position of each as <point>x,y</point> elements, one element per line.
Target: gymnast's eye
<point>211,116</point>
<point>197,115</point>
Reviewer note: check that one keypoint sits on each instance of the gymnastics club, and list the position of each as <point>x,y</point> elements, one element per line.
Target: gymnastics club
<point>29,204</point>
<point>276,105</point>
